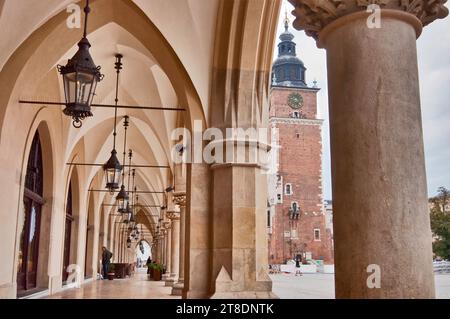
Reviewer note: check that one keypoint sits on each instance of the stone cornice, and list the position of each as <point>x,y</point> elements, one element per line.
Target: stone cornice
<point>313,16</point>
<point>290,120</point>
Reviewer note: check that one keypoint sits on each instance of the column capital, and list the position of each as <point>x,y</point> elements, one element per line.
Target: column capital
<point>167,225</point>
<point>173,215</point>
<point>313,16</point>
<point>179,199</point>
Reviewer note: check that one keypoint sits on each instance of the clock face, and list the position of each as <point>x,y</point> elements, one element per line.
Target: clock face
<point>295,100</point>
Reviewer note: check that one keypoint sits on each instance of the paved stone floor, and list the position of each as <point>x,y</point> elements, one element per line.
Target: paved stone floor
<point>308,286</point>
<point>321,286</point>
<point>136,287</point>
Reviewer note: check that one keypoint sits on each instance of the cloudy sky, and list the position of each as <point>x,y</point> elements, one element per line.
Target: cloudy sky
<point>434,68</point>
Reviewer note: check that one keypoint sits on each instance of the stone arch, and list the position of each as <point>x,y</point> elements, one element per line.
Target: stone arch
<point>89,269</point>
<point>73,182</point>
<point>26,66</point>
<point>46,213</point>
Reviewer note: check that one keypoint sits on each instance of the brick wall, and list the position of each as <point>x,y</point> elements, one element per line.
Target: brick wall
<point>300,164</point>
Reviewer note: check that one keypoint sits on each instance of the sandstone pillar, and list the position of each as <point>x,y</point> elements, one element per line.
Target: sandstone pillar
<point>240,260</point>
<point>164,247</point>
<point>157,249</point>
<point>175,247</point>
<point>180,200</point>
<point>197,242</point>
<point>381,218</point>
<point>168,249</point>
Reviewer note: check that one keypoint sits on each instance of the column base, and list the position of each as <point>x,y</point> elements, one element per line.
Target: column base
<point>245,295</point>
<point>170,282</point>
<point>165,276</point>
<point>177,288</point>
<point>8,291</point>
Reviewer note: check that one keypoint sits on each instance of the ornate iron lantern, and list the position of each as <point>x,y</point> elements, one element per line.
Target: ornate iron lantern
<point>80,77</point>
<point>112,167</point>
<point>132,219</point>
<point>112,170</point>
<point>122,200</point>
<point>129,242</point>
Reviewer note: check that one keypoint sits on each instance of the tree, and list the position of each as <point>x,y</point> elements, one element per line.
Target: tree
<point>440,223</point>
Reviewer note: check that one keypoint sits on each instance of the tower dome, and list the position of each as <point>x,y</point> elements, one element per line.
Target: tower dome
<point>288,70</point>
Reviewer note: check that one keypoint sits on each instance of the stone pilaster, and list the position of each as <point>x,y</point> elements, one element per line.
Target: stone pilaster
<point>381,220</point>
<point>240,260</point>
<point>179,199</point>
<point>175,247</point>
<point>167,249</point>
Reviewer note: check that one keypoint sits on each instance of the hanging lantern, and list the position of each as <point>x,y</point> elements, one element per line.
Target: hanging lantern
<point>112,167</point>
<point>122,200</point>
<point>129,242</point>
<point>80,77</point>
<point>132,219</point>
<point>112,170</point>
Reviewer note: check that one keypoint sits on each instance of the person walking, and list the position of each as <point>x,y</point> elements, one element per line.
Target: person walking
<point>106,260</point>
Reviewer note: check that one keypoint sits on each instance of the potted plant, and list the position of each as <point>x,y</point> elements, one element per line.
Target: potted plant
<point>149,270</point>
<point>111,272</point>
<point>156,271</point>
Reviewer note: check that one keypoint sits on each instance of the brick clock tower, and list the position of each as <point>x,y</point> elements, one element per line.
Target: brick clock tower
<point>296,215</point>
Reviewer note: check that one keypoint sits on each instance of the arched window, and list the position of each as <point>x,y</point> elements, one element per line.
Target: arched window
<point>316,234</point>
<point>288,189</point>
<point>32,204</point>
<point>68,233</point>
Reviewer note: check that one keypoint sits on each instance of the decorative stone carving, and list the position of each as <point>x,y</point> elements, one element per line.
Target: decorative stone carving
<point>313,15</point>
<point>173,215</point>
<point>179,199</point>
<point>167,225</point>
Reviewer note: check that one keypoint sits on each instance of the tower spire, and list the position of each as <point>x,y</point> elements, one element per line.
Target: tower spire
<point>286,20</point>
<point>288,70</point>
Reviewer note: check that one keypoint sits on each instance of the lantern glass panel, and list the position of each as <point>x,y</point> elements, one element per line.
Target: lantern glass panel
<point>84,85</point>
<point>121,204</point>
<point>70,87</point>
<point>112,176</point>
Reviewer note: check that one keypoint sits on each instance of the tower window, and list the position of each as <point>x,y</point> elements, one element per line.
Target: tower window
<point>296,114</point>
<point>288,189</point>
<point>316,234</point>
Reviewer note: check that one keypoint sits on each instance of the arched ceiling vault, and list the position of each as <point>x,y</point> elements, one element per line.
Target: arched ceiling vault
<point>189,30</point>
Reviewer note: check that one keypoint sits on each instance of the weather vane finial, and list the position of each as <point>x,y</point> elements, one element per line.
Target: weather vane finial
<point>286,20</point>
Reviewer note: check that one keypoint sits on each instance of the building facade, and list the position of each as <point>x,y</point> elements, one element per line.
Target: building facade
<point>211,62</point>
<point>297,218</point>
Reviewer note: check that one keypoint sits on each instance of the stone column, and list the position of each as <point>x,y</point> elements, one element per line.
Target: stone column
<point>381,218</point>
<point>197,239</point>
<point>164,247</point>
<point>168,249</point>
<point>175,247</point>
<point>158,249</point>
<point>240,260</point>
<point>179,199</point>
